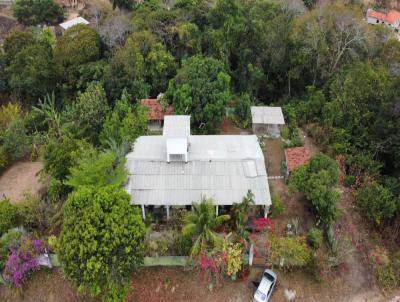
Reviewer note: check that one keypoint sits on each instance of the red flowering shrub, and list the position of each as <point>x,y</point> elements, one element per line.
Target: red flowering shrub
<point>261,224</point>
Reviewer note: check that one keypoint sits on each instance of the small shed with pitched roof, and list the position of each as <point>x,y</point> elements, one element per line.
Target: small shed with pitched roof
<point>267,120</point>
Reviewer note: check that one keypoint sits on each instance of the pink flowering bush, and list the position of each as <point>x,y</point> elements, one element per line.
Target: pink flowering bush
<point>22,261</point>
<point>260,224</point>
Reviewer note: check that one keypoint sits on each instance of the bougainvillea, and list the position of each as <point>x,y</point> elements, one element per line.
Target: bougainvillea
<point>212,266</point>
<point>260,224</point>
<point>22,261</point>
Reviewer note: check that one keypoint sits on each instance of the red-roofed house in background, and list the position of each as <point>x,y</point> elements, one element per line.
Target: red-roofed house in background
<point>155,113</point>
<point>392,18</point>
<point>296,157</point>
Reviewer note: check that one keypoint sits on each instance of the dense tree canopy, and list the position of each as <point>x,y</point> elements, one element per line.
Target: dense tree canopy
<point>34,12</point>
<point>102,240</point>
<point>201,88</point>
<point>31,72</point>
<point>79,45</point>
<point>142,66</point>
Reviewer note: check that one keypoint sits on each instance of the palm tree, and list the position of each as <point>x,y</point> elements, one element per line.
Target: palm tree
<point>201,223</point>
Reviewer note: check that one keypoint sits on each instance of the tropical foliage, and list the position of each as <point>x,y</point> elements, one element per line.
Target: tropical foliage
<point>201,223</point>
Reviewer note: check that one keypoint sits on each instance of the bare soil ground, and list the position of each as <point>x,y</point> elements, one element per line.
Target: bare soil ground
<point>21,178</point>
<point>274,156</point>
<point>45,286</point>
<point>176,284</point>
<point>228,127</point>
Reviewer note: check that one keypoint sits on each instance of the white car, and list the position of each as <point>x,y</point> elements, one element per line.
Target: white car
<point>266,287</point>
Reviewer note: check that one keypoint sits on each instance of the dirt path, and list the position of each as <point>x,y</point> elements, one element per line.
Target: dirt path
<point>229,128</point>
<point>19,179</point>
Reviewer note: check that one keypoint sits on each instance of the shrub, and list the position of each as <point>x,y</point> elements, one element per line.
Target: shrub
<point>277,207</point>
<point>9,113</point>
<point>330,236</point>
<point>29,213</point>
<point>349,180</point>
<point>182,245</point>
<point>8,216</point>
<point>285,132</point>
<point>16,140</point>
<point>377,204</point>
<point>7,241</point>
<point>233,252</point>
<point>294,252</point>
<point>52,242</point>
<point>314,238</point>
<point>3,159</point>
<point>386,277</point>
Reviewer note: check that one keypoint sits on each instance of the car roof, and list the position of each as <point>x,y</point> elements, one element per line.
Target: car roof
<point>265,285</point>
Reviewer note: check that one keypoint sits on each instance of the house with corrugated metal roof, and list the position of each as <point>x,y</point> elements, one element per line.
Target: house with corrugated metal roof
<point>267,120</point>
<point>177,169</point>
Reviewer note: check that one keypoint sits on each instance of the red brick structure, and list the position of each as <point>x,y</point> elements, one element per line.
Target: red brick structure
<point>296,157</point>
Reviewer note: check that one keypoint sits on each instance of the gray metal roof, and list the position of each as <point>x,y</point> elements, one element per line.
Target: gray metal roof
<point>78,20</point>
<point>267,115</point>
<point>176,125</point>
<point>223,167</point>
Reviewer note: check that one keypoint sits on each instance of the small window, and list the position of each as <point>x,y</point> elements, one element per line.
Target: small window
<point>176,157</point>
<point>377,21</point>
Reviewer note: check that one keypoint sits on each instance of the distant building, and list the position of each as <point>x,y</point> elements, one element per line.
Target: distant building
<point>296,157</point>
<point>267,120</point>
<point>391,19</point>
<point>68,24</point>
<point>178,169</point>
<point>155,114</point>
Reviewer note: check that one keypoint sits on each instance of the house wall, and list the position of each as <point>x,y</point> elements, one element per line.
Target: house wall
<point>267,129</point>
<point>375,21</point>
<point>154,125</point>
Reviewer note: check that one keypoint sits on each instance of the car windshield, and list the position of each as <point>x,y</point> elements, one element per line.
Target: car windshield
<point>269,277</point>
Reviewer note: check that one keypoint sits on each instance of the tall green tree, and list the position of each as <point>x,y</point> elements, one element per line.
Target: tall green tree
<point>317,180</point>
<point>124,123</point>
<point>31,73</point>
<point>201,88</point>
<point>91,111</point>
<point>79,45</point>
<point>201,224</point>
<point>17,41</point>
<point>102,241</point>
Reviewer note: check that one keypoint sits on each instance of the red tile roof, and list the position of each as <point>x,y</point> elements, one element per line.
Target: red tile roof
<point>391,17</point>
<point>155,112</point>
<point>296,157</point>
